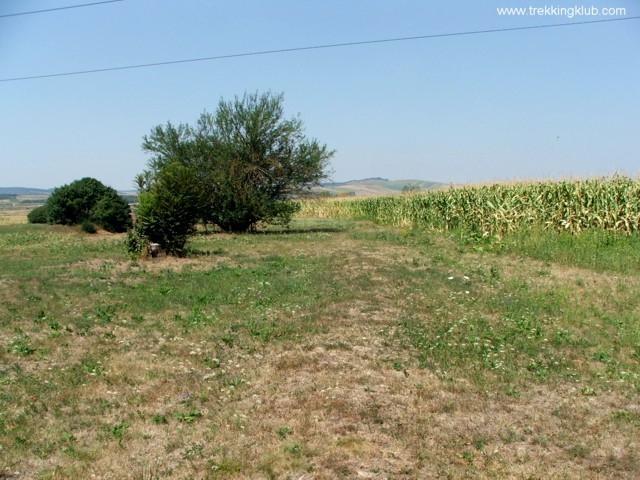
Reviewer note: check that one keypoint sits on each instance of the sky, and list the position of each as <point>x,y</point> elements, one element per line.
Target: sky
<point>541,103</point>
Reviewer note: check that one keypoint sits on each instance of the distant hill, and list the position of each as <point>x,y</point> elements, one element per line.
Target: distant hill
<point>366,187</point>
<point>45,191</point>
<point>25,191</point>
<point>369,187</point>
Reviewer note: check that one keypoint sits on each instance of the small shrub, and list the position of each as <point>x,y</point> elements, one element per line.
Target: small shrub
<point>38,215</point>
<point>137,244</point>
<point>88,227</point>
<point>160,419</point>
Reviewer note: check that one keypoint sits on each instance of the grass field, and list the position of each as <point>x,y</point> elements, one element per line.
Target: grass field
<point>335,349</point>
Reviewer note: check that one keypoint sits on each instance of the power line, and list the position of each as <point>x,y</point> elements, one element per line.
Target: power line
<point>59,8</point>
<point>314,47</point>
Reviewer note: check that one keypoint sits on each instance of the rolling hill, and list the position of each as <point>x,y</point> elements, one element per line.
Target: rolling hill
<point>369,187</point>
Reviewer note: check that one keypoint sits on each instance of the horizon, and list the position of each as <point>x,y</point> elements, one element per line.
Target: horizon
<point>358,181</point>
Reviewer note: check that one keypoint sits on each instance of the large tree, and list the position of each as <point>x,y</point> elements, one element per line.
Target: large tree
<point>248,162</point>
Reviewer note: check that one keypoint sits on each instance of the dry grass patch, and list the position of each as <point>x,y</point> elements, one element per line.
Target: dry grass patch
<point>339,353</point>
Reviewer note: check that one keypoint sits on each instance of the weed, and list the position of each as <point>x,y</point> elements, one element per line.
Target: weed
<point>601,356</point>
<point>283,334</point>
<point>159,419</point>
<point>512,392</point>
<point>104,313</point>
<point>188,417</point>
<point>587,391</point>
<point>211,362</point>
<point>294,449</point>
<point>480,443</point>
<point>194,451</point>
<point>20,345</point>
<point>397,366</point>
<point>118,431</point>
<point>92,367</point>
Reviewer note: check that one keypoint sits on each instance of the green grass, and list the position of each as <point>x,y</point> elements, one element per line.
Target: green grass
<point>593,250</point>
<point>256,352</point>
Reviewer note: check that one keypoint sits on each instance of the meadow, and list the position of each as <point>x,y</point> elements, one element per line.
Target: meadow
<point>337,348</point>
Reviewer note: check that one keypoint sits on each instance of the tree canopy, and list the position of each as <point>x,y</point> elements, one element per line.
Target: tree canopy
<point>247,164</point>
<point>88,200</point>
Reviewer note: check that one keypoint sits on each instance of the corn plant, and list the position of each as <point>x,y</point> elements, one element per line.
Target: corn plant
<point>611,204</point>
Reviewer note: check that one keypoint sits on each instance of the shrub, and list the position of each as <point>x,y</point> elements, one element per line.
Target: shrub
<point>88,227</point>
<point>89,200</point>
<point>38,215</point>
<point>167,212</point>
<point>136,243</point>
<point>112,212</point>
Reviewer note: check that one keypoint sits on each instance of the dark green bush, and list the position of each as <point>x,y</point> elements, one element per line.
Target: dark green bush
<point>168,211</point>
<point>88,227</point>
<point>112,212</point>
<point>89,200</point>
<point>38,215</point>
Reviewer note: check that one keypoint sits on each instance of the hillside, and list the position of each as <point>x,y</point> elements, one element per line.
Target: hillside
<point>25,191</point>
<point>366,187</point>
<point>369,187</point>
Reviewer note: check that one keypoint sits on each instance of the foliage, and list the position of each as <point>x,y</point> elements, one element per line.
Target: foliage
<point>88,199</point>
<point>112,212</point>
<point>38,215</point>
<point>136,243</point>
<point>87,226</point>
<point>167,212</point>
<point>248,161</point>
<point>410,189</point>
<point>605,204</point>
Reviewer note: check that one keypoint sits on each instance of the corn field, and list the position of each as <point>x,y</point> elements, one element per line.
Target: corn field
<point>609,204</point>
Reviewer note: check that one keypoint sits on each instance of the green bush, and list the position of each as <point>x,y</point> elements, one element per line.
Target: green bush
<point>112,212</point>
<point>89,200</point>
<point>168,211</point>
<point>38,215</point>
<point>136,243</point>
<point>88,227</point>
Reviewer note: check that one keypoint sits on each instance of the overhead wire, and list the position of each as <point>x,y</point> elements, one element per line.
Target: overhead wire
<point>68,7</point>
<point>313,47</point>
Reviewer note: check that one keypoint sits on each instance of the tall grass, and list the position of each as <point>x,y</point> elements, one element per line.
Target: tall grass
<point>608,204</point>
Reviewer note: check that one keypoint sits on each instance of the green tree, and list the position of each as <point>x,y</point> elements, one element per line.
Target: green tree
<point>411,189</point>
<point>88,200</point>
<point>248,161</point>
<point>168,211</point>
<point>112,212</point>
<point>38,215</point>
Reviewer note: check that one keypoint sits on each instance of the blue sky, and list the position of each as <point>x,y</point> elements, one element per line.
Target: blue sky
<point>543,103</point>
